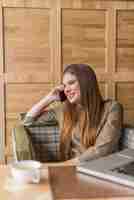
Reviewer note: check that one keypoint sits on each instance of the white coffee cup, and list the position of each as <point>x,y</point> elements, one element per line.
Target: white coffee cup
<point>26,171</point>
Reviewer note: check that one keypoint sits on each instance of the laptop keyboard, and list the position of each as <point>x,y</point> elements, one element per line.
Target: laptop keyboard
<point>127,169</point>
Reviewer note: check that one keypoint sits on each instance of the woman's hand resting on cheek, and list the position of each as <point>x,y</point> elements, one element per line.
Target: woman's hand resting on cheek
<point>54,95</point>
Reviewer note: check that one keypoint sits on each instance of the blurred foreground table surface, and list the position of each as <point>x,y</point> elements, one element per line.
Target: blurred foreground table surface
<point>11,190</point>
<point>62,183</point>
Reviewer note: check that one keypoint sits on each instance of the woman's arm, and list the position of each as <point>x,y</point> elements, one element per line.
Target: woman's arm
<point>42,106</point>
<point>44,102</point>
<point>73,161</point>
<point>108,138</point>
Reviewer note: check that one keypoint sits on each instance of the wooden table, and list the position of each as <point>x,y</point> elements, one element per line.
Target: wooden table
<point>62,183</point>
<point>66,183</point>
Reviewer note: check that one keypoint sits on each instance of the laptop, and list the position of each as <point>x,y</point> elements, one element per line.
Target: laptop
<point>117,167</point>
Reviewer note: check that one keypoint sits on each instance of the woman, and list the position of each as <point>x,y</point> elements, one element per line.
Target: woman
<point>89,126</point>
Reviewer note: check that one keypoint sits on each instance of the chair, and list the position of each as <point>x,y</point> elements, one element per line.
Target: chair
<point>127,137</point>
<point>37,141</point>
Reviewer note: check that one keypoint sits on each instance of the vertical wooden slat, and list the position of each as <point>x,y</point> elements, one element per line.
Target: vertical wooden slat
<point>111,50</point>
<point>2,99</point>
<point>111,40</point>
<point>52,41</point>
<point>57,42</point>
<point>2,121</point>
<point>1,41</point>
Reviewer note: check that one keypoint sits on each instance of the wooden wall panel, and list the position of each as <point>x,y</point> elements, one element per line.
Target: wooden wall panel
<point>27,42</point>
<point>125,62</point>
<point>2,98</point>
<point>103,89</point>
<point>1,42</point>
<point>129,117</point>
<point>83,37</point>
<point>125,95</point>
<point>2,122</point>
<point>125,40</point>
<point>20,97</point>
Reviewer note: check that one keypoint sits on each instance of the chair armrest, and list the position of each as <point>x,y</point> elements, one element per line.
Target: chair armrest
<point>22,145</point>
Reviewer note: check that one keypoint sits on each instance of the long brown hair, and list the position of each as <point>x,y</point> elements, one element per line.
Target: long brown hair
<point>92,106</point>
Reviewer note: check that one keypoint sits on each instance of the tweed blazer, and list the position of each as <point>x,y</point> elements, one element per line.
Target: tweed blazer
<point>108,132</point>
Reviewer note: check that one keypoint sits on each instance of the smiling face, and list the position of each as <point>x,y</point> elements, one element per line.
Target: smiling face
<point>71,88</point>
